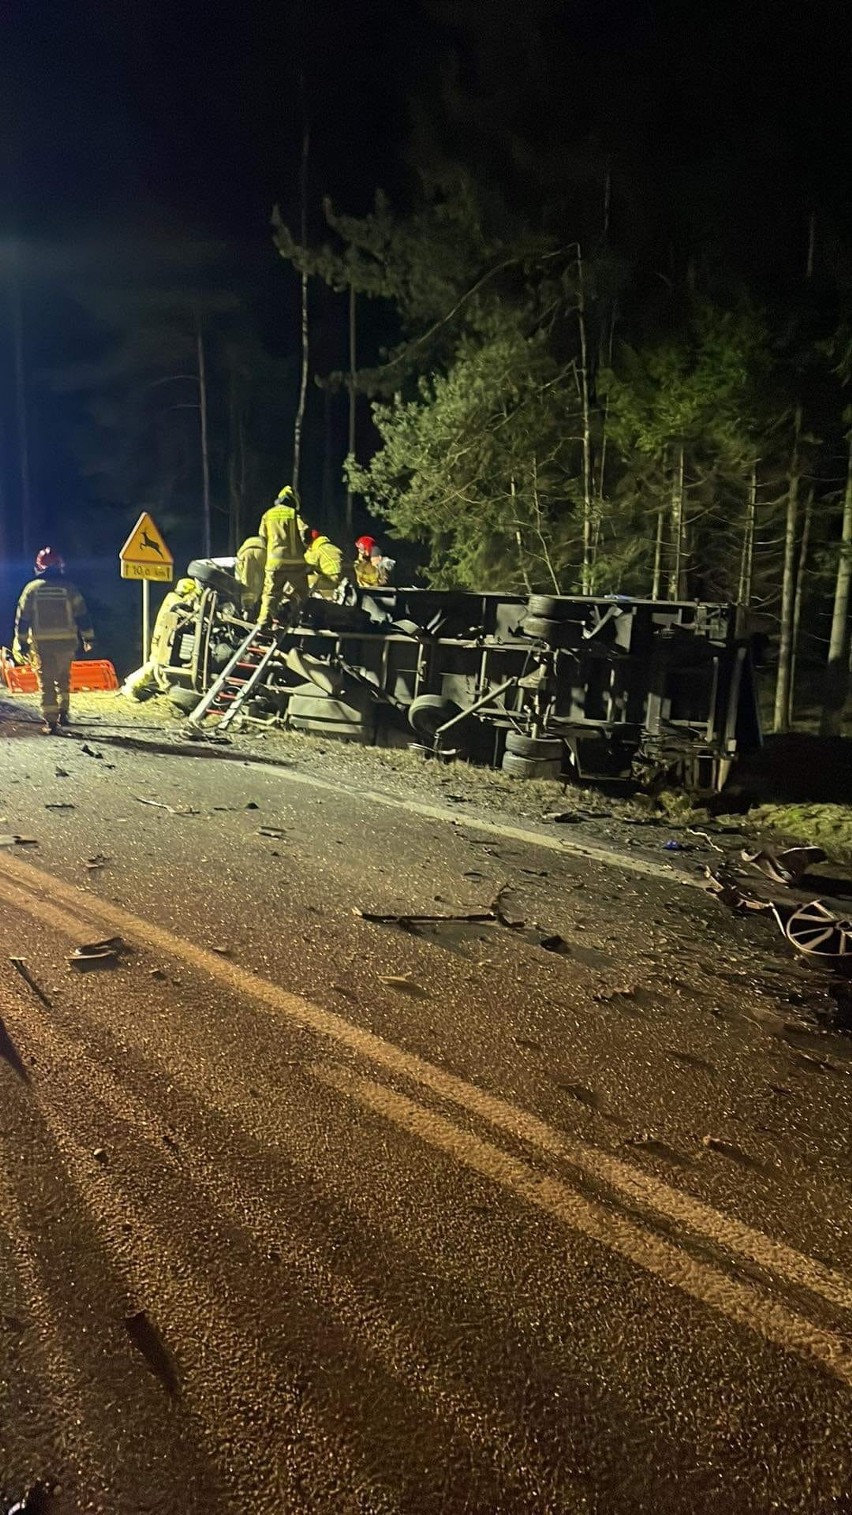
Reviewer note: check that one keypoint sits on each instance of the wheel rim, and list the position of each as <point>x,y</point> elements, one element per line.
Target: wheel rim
<point>815,931</point>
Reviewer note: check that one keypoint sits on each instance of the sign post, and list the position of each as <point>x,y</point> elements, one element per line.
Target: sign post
<point>144,557</point>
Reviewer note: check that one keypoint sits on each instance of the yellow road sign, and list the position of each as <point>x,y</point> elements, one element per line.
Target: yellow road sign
<point>145,554</point>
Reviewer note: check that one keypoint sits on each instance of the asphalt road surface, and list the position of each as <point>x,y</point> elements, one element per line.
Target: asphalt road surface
<point>546,1212</point>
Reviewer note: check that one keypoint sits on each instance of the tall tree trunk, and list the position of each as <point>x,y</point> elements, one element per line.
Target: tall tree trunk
<point>353,361</point>
<point>676,571</point>
<point>657,581</point>
<point>798,600</point>
<point>781,718</point>
<point>303,383</point>
<point>21,411</point>
<point>747,550</point>
<point>205,450</point>
<point>588,510</point>
<point>837,672</point>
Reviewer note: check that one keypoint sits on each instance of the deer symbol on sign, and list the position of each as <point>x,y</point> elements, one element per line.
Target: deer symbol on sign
<point>146,541</point>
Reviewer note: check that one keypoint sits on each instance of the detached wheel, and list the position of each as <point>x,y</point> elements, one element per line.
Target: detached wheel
<point>531,768</point>
<point>543,749</point>
<point>542,628</point>
<point>548,606</point>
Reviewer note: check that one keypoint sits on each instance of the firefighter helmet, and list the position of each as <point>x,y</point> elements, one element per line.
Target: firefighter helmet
<point>365,545</point>
<point>49,558</point>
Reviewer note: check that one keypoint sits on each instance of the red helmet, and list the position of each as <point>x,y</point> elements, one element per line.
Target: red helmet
<point>49,558</point>
<point>366,544</point>
<point>315,534</point>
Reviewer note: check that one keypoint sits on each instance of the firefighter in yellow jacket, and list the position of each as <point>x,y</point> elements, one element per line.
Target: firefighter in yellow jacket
<point>326,562</point>
<point>250,569</point>
<point>50,619</point>
<point>283,534</point>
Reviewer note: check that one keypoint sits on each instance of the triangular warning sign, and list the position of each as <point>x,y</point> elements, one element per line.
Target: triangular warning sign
<point>146,543</point>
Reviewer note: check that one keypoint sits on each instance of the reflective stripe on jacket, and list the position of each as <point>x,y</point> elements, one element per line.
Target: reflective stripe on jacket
<point>52,610</point>
<point>280,531</point>
<point>323,556</point>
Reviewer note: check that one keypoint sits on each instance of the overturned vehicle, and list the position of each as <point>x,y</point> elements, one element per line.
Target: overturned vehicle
<point>596,688</point>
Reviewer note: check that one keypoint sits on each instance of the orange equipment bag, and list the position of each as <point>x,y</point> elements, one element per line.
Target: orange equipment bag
<point>88,675</point>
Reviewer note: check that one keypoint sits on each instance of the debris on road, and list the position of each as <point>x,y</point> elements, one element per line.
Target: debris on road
<point>276,832</point>
<point>147,1340</point>
<point>20,967</point>
<point>407,918</point>
<point>59,805</point>
<point>99,860</point>
<point>10,1054</point>
<point>405,984</point>
<point>785,867</point>
<point>11,839</point>
<point>817,932</point>
<point>733,1152</point>
<point>91,954</point>
<point>101,1156</point>
<point>170,809</point>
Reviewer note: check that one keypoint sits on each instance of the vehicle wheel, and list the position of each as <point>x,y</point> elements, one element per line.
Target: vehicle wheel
<point>184,700</point>
<point>547,605</point>
<point>542,628</point>
<point>542,748</point>
<point>531,768</point>
<point>211,576</point>
<point>428,712</point>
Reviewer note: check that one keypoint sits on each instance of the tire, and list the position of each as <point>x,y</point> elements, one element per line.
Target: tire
<point>531,768</point>
<point>542,628</point>
<point>547,605</point>
<point>540,748</point>
<point>184,700</point>
<point>211,576</point>
<point>428,712</point>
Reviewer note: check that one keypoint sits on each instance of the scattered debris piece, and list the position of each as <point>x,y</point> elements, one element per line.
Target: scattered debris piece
<point>673,845</point>
<point>817,932</point>
<point>251,805</point>
<point>99,860</point>
<point>157,973</point>
<point>706,837</point>
<point>100,1155</point>
<point>784,867</point>
<point>732,1151</point>
<point>277,832</point>
<point>646,1142</point>
<point>10,839</point>
<point>61,773</point>
<point>59,805</point>
<point>405,919</point>
<point>90,751</point>
<point>404,984</point>
<point>20,967</point>
<point>170,809</point>
<point>222,951</point>
<point>526,1041</point>
<point>10,1054</point>
<point>563,817</point>
<point>91,954</point>
<point>147,1340</point>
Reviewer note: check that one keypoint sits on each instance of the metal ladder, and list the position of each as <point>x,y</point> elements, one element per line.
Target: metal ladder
<point>239,679</point>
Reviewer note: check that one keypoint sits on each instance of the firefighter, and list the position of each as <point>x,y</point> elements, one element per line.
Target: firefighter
<point>250,568</point>
<point>282,532</point>
<point>50,619</point>
<point>326,560</point>
<point>372,568</point>
<point>179,606</point>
